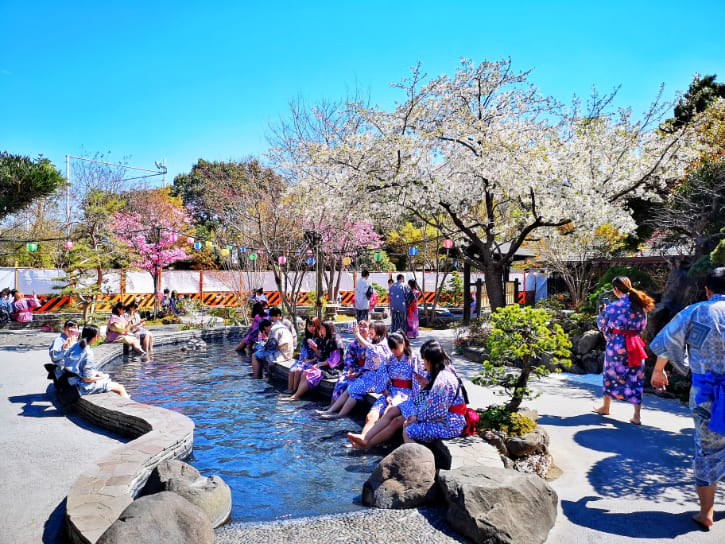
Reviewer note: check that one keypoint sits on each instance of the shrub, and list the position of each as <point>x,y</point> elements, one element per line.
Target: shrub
<point>522,335</point>
<point>498,418</point>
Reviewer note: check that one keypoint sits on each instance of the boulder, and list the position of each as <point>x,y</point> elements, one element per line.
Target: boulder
<point>588,341</point>
<point>537,441</point>
<point>592,362</point>
<point>211,494</point>
<point>498,506</point>
<point>465,450</point>
<point>164,517</point>
<point>405,478</point>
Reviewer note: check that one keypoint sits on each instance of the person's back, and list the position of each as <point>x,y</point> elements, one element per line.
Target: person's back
<point>398,293</point>
<point>285,342</point>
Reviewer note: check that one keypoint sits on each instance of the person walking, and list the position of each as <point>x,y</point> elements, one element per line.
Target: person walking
<point>398,308</point>
<point>696,338</point>
<point>363,291</point>
<point>621,323</point>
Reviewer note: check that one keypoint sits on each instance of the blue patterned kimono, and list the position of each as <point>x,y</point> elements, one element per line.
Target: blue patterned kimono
<point>375,355</point>
<point>396,369</point>
<point>354,356</point>
<point>696,338</point>
<point>431,409</point>
<point>621,381</point>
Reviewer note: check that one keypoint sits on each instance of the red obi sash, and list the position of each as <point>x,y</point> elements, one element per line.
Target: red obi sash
<point>402,384</point>
<point>459,409</point>
<point>361,361</point>
<point>635,347</point>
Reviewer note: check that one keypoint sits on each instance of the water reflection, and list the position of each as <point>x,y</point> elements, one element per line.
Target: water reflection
<point>278,458</point>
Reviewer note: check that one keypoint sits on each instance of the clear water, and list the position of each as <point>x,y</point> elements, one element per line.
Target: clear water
<point>278,458</point>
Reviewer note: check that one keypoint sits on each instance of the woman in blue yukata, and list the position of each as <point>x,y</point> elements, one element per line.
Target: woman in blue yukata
<point>353,362</point>
<point>376,353</point>
<point>308,354</point>
<point>435,413</point>
<point>621,323</point>
<point>79,360</point>
<point>329,350</point>
<point>395,379</point>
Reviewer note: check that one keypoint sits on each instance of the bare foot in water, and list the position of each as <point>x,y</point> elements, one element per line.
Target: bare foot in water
<point>357,441</point>
<point>601,411</point>
<point>702,521</point>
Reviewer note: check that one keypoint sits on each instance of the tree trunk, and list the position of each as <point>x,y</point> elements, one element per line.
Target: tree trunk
<point>521,384</point>
<point>494,285</point>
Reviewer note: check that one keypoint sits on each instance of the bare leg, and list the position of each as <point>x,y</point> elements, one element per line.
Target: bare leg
<point>636,420</point>
<point>706,494</point>
<point>604,408</point>
<point>407,438</point>
<point>296,380</point>
<point>241,346</point>
<point>120,389</point>
<point>339,403</point>
<point>387,432</point>
<point>256,366</point>
<point>301,390</point>
<point>384,421</point>
<point>370,420</point>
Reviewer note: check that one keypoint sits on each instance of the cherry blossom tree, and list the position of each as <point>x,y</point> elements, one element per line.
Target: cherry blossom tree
<point>499,160</point>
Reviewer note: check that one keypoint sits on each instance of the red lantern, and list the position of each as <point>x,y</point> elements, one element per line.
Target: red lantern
<point>68,245</point>
<point>282,259</point>
<point>447,243</point>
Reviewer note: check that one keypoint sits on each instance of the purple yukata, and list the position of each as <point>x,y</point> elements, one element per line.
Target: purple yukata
<point>400,370</point>
<point>354,356</point>
<point>306,359</point>
<point>435,422</point>
<point>621,381</point>
<point>375,356</point>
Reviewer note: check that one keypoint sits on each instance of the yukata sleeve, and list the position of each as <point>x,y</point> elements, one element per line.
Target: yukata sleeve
<point>33,303</point>
<point>373,357</point>
<point>350,360</point>
<point>381,379</point>
<point>435,406</point>
<point>670,341</point>
<point>87,365</point>
<point>419,371</point>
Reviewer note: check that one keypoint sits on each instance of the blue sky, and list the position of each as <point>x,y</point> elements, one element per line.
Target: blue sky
<point>186,80</point>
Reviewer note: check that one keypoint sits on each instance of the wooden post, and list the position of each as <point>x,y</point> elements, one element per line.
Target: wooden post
<point>466,293</point>
<point>479,295</point>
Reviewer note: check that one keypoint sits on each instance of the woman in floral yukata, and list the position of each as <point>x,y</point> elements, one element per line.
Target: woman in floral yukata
<point>376,353</point>
<point>328,353</point>
<point>621,322</point>
<point>308,354</point>
<point>352,363</point>
<point>435,413</point>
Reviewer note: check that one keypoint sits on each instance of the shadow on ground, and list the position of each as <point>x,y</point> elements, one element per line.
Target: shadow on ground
<point>643,524</point>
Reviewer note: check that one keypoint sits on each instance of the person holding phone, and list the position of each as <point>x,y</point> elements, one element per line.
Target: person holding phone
<point>137,327</point>
<point>61,344</point>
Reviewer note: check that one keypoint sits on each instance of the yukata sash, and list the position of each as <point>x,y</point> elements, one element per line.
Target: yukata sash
<point>635,347</point>
<point>711,388</point>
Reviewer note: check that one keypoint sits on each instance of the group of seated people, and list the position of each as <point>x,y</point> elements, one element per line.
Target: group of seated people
<point>126,326</point>
<point>15,306</point>
<point>75,365</point>
<point>422,396</point>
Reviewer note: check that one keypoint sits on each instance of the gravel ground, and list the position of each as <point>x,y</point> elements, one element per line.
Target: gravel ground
<point>367,527</point>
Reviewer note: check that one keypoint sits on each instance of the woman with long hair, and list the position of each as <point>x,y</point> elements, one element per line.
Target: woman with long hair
<point>621,323</point>
<point>411,303</point>
<point>309,350</point>
<point>328,361</point>
<point>79,360</point>
<point>437,412</point>
<point>258,313</point>
<point>118,329</point>
<point>376,353</point>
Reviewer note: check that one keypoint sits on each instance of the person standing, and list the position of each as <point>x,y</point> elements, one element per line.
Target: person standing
<point>621,323</point>
<point>363,290</point>
<point>697,334</point>
<point>412,319</point>
<point>398,309</point>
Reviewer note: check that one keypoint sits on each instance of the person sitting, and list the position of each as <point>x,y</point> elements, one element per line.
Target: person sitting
<point>352,363</point>
<point>258,314</point>
<point>79,361</point>
<point>136,326</point>
<point>24,307</point>
<point>6,306</point>
<point>118,329</point>
<point>376,353</point>
<point>437,412</point>
<point>279,347</point>
<point>308,354</point>
<point>329,357</point>
<point>61,344</point>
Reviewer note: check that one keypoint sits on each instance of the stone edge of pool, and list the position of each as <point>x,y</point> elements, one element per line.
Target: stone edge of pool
<point>98,497</point>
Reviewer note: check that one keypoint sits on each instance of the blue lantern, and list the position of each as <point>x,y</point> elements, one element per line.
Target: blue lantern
<point>243,249</point>
<point>197,246</point>
<point>413,251</point>
<point>310,261</point>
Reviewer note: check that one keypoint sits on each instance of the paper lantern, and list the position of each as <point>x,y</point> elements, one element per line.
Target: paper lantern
<point>68,245</point>
<point>413,251</point>
<point>197,245</point>
<point>225,252</point>
<point>190,240</point>
<point>282,259</point>
<point>448,243</point>
<point>209,244</point>
<point>229,247</point>
<point>310,261</point>
<point>173,237</point>
<point>378,256</point>
<point>346,261</point>
<point>31,246</point>
<point>252,256</point>
<point>243,249</point>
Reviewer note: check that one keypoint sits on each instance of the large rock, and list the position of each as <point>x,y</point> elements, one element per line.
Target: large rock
<point>164,517</point>
<point>593,362</point>
<point>211,494</point>
<point>498,506</point>
<point>537,441</point>
<point>465,451</point>
<point>405,478</point>
<point>588,341</point>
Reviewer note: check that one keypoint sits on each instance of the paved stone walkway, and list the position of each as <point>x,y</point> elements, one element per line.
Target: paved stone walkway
<point>619,483</point>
